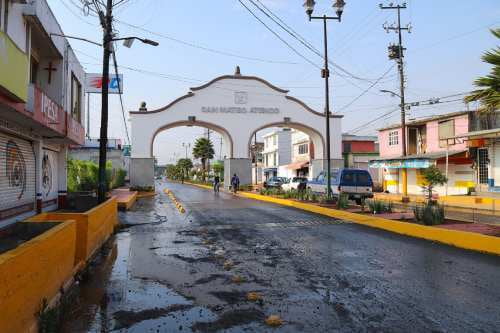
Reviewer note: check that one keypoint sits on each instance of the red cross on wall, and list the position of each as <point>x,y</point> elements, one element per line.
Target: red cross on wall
<point>50,69</point>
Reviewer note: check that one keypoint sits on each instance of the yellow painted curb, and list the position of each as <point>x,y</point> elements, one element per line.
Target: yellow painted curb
<point>461,239</point>
<point>207,187</point>
<point>141,195</point>
<point>176,202</point>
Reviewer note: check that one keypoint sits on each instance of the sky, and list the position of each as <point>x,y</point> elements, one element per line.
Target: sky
<point>200,40</point>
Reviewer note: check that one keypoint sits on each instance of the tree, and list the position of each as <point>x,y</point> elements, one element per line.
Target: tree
<point>432,177</point>
<point>185,164</point>
<point>489,93</point>
<point>173,171</point>
<point>218,168</point>
<point>204,150</point>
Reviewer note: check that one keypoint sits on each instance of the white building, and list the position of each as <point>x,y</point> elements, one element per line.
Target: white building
<point>41,109</point>
<point>277,151</point>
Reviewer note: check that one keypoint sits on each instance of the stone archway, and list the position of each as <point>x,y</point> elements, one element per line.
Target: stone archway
<point>235,106</point>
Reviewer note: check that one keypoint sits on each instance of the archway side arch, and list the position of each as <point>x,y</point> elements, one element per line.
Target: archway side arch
<point>222,131</point>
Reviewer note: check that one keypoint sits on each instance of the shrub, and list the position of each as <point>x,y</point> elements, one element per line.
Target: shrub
<point>119,178</point>
<point>432,177</point>
<point>429,214</point>
<point>343,201</point>
<point>379,207</point>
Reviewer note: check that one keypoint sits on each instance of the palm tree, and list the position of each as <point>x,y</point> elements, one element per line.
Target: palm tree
<point>185,164</point>
<point>489,93</point>
<point>204,150</point>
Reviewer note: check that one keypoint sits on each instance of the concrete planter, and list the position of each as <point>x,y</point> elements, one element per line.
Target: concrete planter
<point>93,227</point>
<point>33,272</point>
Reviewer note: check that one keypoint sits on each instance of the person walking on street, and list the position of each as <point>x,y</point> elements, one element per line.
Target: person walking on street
<point>216,184</point>
<point>235,183</point>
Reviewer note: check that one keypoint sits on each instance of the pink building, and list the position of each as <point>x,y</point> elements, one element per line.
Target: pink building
<point>429,141</point>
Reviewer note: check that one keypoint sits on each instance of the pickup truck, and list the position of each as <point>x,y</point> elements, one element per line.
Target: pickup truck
<point>356,183</point>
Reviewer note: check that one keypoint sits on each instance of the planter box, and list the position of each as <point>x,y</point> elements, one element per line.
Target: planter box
<point>34,271</point>
<point>93,227</point>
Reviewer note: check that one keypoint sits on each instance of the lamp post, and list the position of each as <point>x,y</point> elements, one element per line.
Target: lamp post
<point>187,146</point>
<point>325,73</point>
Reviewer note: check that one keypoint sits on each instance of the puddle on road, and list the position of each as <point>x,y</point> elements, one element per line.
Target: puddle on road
<point>109,299</point>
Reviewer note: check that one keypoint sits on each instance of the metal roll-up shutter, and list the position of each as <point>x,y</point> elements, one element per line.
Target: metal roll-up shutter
<point>17,176</point>
<point>49,177</point>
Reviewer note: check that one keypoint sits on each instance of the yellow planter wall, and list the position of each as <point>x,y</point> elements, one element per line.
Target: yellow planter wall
<point>93,227</point>
<point>34,271</point>
<point>13,69</point>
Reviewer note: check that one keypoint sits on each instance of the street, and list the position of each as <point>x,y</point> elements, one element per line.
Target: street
<point>170,272</point>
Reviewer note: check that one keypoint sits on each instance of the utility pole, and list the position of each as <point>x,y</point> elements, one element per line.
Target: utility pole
<point>208,159</point>
<point>396,52</point>
<point>106,23</point>
<point>255,156</point>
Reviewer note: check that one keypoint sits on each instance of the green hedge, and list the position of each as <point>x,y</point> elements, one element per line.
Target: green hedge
<point>84,175</point>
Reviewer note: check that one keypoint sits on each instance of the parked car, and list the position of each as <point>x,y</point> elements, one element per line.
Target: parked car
<point>293,183</point>
<point>274,182</point>
<point>356,183</point>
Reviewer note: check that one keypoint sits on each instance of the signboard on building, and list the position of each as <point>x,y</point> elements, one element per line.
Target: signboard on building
<point>94,82</point>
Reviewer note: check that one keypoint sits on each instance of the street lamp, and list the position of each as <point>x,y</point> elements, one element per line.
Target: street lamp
<point>390,92</point>
<point>325,73</point>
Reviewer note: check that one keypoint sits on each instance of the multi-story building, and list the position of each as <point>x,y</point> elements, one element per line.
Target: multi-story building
<point>277,151</point>
<point>358,150</point>
<point>430,141</point>
<point>41,109</point>
<point>302,152</point>
<point>483,142</point>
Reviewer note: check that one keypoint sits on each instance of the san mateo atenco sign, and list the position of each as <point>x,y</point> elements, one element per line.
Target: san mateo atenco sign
<point>236,109</point>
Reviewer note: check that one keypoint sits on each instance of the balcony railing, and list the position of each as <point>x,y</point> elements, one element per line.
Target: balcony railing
<point>45,111</point>
<point>13,69</point>
<point>75,131</point>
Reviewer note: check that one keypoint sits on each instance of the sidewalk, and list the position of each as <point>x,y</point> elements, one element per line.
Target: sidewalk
<point>461,207</point>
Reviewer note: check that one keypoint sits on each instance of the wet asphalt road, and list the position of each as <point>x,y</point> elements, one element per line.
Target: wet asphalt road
<point>172,272</point>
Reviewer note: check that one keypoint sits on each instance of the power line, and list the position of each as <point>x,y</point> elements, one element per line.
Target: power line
<point>277,20</point>
<point>366,90</point>
<point>208,49</point>
<point>278,36</point>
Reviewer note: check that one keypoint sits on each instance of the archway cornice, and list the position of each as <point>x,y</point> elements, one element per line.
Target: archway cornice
<point>189,94</point>
<point>305,106</point>
<point>240,77</point>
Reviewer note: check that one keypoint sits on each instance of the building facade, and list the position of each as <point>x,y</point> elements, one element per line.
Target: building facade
<point>483,143</point>
<point>358,150</point>
<point>430,141</point>
<point>41,109</point>
<point>276,152</point>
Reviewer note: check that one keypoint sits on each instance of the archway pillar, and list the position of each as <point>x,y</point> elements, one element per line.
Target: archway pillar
<point>239,166</point>
<point>142,172</point>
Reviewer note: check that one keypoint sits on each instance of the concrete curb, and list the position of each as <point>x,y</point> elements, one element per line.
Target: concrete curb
<point>460,239</point>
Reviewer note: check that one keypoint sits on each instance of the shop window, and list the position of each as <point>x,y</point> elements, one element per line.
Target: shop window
<point>393,138</point>
<point>76,98</point>
<point>446,131</point>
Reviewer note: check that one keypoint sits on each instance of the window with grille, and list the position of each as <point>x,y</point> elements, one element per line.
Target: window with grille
<point>446,131</point>
<point>483,165</point>
<point>303,149</point>
<point>76,98</point>
<point>393,138</point>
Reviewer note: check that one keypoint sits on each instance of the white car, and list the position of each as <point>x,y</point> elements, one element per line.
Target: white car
<point>293,183</point>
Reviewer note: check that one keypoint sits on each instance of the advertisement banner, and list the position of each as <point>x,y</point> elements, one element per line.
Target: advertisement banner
<point>94,81</point>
